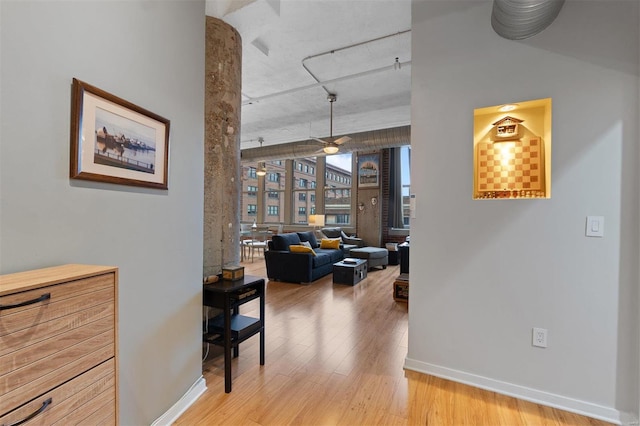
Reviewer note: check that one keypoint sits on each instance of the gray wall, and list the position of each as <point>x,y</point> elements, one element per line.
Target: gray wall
<point>493,269</point>
<point>152,54</point>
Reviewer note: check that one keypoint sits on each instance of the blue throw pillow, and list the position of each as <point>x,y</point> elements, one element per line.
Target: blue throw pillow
<point>283,241</point>
<point>309,236</point>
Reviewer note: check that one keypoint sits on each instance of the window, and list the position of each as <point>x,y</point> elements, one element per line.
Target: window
<point>406,183</point>
<point>399,186</point>
<point>301,201</point>
<point>248,206</point>
<point>342,219</point>
<point>302,194</point>
<point>337,197</point>
<point>273,194</point>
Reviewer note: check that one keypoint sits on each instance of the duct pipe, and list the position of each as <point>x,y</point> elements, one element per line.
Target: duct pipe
<point>520,19</point>
<point>376,139</point>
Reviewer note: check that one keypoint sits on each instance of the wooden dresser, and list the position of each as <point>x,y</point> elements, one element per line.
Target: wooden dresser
<point>58,346</point>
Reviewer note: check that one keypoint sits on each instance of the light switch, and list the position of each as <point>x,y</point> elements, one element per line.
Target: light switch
<point>595,226</point>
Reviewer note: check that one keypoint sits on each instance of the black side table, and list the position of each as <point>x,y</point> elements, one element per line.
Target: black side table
<point>229,329</point>
<point>404,257</point>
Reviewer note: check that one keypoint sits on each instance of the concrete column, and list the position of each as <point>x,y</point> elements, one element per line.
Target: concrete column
<point>223,69</point>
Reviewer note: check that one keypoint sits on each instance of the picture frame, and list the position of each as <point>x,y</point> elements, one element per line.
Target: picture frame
<point>368,170</point>
<point>116,141</point>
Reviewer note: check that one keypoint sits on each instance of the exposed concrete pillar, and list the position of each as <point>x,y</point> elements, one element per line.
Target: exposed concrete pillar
<point>223,70</point>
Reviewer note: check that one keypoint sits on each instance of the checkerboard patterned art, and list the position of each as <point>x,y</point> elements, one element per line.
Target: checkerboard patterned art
<point>516,167</point>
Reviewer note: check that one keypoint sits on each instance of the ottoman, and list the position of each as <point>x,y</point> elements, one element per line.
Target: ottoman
<point>375,256</point>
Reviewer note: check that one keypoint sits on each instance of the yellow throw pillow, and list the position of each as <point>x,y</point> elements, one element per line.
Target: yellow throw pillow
<point>330,243</point>
<point>301,249</point>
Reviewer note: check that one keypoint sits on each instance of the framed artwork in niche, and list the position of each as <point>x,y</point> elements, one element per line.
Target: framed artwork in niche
<point>368,170</point>
<point>116,141</point>
<point>512,150</point>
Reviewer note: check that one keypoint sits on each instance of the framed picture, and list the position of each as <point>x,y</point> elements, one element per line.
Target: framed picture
<point>368,170</point>
<point>115,141</point>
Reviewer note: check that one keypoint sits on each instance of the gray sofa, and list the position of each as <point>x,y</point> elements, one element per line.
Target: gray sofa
<point>283,265</point>
<point>348,242</point>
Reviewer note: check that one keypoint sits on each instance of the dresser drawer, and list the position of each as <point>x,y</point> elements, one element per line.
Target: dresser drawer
<point>31,356</point>
<point>63,299</point>
<point>87,399</point>
<point>42,331</point>
<point>20,385</point>
<point>58,340</point>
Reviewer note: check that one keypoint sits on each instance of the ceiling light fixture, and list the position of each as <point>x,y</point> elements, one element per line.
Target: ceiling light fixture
<point>331,148</point>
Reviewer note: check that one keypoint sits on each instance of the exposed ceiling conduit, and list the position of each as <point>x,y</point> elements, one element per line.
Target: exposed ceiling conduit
<point>376,139</point>
<point>520,19</point>
<point>332,51</point>
<point>394,66</point>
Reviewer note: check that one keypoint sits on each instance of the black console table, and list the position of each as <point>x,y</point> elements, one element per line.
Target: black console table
<point>229,329</point>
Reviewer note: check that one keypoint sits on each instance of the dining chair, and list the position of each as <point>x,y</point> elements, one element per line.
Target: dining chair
<point>246,239</point>
<point>259,240</point>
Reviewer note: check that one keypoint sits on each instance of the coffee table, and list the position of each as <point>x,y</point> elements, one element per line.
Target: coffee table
<point>350,271</point>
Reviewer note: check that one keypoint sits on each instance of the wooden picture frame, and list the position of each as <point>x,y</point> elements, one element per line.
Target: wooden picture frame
<point>368,170</point>
<point>115,141</point>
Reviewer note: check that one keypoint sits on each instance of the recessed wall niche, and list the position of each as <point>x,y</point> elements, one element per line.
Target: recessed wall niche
<point>512,150</point>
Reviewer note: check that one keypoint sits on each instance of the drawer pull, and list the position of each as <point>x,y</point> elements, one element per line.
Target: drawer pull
<point>32,415</point>
<point>42,298</point>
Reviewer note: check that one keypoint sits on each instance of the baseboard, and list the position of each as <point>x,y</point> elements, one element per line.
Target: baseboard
<point>192,395</point>
<point>521,392</point>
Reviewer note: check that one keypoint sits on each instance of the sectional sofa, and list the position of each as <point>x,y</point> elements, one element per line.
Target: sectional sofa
<point>285,265</point>
<point>347,242</point>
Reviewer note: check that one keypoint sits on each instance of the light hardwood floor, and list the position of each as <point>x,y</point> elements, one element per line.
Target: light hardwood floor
<point>334,356</point>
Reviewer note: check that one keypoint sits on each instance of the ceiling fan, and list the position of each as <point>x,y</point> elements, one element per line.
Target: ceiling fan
<point>332,146</point>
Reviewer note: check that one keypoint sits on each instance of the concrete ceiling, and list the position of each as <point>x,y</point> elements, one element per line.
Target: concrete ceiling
<point>350,44</point>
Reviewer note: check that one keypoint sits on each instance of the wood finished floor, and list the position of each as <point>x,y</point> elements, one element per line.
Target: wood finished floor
<point>334,356</point>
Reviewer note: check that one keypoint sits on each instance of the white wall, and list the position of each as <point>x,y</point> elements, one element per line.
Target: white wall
<point>152,54</point>
<point>496,268</point>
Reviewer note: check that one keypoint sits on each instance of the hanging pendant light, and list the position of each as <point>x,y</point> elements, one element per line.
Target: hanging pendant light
<point>262,168</point>
<point>262,165</point>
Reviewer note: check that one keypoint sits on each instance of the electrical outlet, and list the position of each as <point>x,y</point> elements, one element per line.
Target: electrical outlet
<point>539,338</point>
